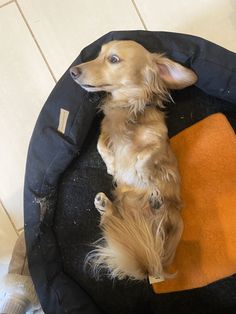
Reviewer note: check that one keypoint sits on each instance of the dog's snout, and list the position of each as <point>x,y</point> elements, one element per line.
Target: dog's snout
<point>75,72</point>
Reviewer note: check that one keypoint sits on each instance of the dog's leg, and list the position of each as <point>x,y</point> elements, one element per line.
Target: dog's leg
<point>146,166</point>
<point>174,230</point>
<point>145,169</point>
<point>102,203</point>
<point>158,170</point>
<point>106,153</point>
<point>141,165</point>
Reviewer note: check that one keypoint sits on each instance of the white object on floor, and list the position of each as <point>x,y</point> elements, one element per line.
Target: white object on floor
<point>17,294</point>
<point>8,237</point>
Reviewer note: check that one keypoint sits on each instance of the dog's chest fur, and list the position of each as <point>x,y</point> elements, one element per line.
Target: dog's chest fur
<point>130,134</point>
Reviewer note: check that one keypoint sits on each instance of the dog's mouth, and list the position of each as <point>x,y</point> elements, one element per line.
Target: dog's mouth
<point>88,86</point>
<point>95,88</point>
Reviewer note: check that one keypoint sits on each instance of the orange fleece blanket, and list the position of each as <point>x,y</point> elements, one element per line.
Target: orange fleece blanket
<point>206,153</point>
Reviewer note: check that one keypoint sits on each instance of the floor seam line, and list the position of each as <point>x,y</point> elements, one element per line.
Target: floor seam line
<point>139,14</point>
<point>9,217</point>
<point>5,4</point>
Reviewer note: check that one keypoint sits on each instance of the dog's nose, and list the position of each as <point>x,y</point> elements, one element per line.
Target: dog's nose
<point>75,72</point>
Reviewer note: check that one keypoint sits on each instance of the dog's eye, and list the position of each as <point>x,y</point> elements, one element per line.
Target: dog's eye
<point>114,59</point>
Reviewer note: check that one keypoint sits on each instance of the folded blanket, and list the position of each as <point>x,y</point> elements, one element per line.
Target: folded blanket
<point>206,154</point>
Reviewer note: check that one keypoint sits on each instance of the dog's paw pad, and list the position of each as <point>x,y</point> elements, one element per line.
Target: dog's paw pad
<point>100,202</point>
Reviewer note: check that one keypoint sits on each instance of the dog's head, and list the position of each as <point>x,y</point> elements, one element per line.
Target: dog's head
<point>123,66</point>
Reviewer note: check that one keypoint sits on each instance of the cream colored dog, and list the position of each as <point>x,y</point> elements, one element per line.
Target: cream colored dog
<point>143,225</point>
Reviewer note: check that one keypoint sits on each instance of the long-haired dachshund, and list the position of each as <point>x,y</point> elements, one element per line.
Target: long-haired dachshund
<point>142,226</point>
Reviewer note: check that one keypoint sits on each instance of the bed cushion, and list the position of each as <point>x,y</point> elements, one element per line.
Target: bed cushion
<point>206,155</point>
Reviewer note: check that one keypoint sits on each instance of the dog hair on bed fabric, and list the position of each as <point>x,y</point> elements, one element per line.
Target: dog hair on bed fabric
<point>142,226</point>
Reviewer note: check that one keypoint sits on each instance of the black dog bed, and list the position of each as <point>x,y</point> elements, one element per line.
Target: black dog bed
<point>64,172</point>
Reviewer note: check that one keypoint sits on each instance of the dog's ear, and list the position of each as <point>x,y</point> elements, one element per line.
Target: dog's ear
<point>173,74</point>
<point>153,85</point>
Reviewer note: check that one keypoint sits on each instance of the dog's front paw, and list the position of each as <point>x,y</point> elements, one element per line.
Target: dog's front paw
<point>142,168</point>
<point>101,202</point>
<point>111,170</point>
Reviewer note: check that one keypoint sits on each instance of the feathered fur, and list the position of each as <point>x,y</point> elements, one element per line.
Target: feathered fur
<point>142,226</point>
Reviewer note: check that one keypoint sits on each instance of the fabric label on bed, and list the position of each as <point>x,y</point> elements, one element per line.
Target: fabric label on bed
<point>64,114</point>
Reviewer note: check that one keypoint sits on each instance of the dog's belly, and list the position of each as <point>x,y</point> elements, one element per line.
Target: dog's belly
<point>133,150</point>
<point>125,166</point>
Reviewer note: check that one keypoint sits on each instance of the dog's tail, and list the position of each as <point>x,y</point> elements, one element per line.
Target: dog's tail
<point>135,244</point>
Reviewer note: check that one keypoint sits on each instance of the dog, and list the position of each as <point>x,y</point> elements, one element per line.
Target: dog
<point>142,226</point>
